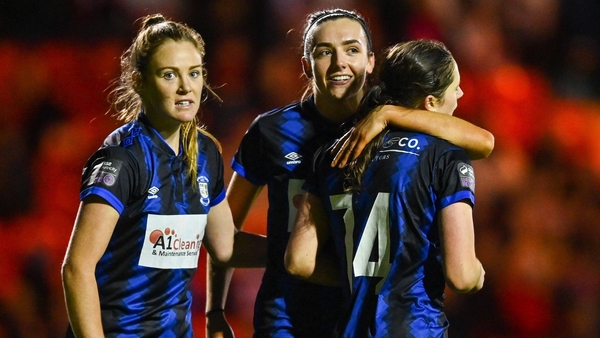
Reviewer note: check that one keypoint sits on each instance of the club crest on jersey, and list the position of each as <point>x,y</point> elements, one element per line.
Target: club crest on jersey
<point>467,176</point>
<point>105,173</point>
<point>203,188</point>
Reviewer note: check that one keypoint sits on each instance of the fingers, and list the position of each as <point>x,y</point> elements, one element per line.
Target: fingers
<point>340,150</point>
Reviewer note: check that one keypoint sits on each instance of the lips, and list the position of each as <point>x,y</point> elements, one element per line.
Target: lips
<point>184,103</point>
<point>340,78</point>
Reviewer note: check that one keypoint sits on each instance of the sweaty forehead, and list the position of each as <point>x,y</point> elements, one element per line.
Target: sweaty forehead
<point>335,31</point>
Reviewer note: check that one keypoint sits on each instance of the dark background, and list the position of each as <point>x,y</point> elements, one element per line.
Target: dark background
<point>530,72</point>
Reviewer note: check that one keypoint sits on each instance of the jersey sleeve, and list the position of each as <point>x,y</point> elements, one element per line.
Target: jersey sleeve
<point>454,179</point>
<point>112,174</point>
<point>249,160</point>
<point>218,188</point>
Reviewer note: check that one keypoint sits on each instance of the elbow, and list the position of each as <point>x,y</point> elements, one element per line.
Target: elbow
<point>466,281</point>
<point>69,271</point>
<point>297,267</point>
<point>223,259</point>
<point>489,144</point>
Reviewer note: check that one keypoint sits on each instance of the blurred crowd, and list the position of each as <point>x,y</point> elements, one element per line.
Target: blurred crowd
<point>530,72</point>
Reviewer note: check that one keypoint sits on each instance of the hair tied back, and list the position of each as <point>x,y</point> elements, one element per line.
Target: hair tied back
<point>153,20</point>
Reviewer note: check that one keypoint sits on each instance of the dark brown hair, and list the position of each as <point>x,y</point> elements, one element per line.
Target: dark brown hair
<point>409,72</point>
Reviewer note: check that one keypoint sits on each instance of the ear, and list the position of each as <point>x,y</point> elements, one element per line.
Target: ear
<point>306,67</point>
<point>371,63</point>
<point>430,103</point>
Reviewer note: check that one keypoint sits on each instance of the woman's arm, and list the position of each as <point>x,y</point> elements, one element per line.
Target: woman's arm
<point>229,247</point>
<point>93,229</point>
<point>241,195</point>
<point>303,256</point>
<point>464,272</point>
<point>477,141</point>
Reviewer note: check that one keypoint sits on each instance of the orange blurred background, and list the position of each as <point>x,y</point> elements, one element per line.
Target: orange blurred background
<point>530,72</point>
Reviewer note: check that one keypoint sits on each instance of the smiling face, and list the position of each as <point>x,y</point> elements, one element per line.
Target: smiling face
<point>171,87</point>
<point>338,61</point>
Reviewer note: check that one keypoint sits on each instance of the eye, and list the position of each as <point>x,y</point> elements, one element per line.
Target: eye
<point>195,73</point>
<point>169,75</point>
<point>353,50</point>
<point>323,52</point>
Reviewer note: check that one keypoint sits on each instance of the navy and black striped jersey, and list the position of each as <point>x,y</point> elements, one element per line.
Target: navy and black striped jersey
<point>277,151</point>
<point>387,233</point>
<point>144,275</point>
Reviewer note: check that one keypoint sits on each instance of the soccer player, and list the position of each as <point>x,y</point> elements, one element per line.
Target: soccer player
<point>400,215</point>
<point>276,152</point>
<point>150,196</point>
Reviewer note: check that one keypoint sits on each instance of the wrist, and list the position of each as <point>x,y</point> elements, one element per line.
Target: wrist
<point>214,311</point>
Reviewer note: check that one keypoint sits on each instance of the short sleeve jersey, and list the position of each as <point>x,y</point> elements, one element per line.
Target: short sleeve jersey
<point>144,275</point>
<point>387,233</point>
<point>277,151</point>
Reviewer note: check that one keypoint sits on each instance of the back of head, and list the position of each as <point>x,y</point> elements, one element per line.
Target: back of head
<point>409,72</point>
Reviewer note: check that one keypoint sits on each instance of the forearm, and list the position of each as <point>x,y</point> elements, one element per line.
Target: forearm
<point>249,251</point>
<point>83,303</point>
<point>477,141</point>
<point>218,279</point>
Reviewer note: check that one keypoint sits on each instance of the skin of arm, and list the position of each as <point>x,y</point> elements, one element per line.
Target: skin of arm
<point>464,272</point>
<point>241,195</point>
<point>303,257</point>
<point>229,247</point>
<point>93,228</point>
<point>476,141</point>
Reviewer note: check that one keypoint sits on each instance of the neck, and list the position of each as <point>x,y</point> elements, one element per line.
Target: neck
<point>170,132</point>
<point>337,110</point>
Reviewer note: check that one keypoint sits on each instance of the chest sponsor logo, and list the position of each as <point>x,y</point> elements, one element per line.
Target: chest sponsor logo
<point>294,158</point>
<point>203,188</point>
<point>172,241</point>
<point>105,173</point>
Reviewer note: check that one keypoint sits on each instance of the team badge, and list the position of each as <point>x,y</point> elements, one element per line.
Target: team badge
<point>203,187</point>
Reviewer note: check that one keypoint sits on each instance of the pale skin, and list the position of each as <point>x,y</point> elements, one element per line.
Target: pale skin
<point>171,95</point>
<point>337,64</point>
<point>463,271</point>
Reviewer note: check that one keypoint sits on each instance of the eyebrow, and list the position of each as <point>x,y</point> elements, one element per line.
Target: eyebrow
<point>177,68</point>
<point>344,43</point>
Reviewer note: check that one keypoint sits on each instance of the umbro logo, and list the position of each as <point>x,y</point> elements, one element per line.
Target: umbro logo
<point>152,193</point>
<point>294,158</point>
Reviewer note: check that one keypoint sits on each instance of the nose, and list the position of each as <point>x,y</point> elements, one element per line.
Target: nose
<point>339,59</point>
<point>460,93</point>
<point>184,86</point>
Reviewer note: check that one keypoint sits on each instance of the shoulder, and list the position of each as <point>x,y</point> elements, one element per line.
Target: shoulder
<point>125,135</point>
<point>207,142</point>
<point>290,111</point>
